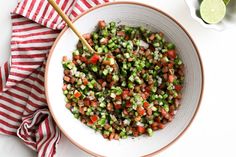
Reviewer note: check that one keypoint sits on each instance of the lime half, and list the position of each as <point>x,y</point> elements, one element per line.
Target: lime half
<point>226,2</point>
<point>212,11</point>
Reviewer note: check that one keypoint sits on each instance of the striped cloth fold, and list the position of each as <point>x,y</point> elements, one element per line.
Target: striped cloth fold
<point>23,106</point>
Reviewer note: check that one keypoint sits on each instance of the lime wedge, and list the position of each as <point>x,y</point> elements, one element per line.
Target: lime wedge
<point>226,2</point>
<point>212,11</point>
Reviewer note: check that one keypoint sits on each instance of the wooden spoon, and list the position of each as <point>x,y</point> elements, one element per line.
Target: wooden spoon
<point>70,24</point>
<point>75,30</point>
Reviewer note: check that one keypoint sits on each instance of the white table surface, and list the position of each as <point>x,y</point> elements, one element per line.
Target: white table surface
<point>212,133</point>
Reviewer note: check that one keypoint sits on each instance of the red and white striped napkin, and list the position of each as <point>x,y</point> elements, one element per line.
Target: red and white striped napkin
<point>23,107</point>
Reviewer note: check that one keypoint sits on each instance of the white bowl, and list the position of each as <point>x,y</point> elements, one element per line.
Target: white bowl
<point>229,20</point>
<point>134,14</point>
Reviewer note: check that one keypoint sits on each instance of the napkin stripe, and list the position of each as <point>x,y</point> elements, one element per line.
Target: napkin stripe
<point>23,107</point>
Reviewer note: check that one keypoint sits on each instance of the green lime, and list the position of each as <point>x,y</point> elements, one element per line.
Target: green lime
<point>226,2</point>
<point>212,11</point>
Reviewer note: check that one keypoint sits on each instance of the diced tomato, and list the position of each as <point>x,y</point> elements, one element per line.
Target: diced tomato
<point>100,81</point>
<point>94,118</point>
<point>76,57</point>
<point>141,129</point>
<point>163,112</point>
<point>147,94</point>
<point>90,123</point>
<point>121,33</point>
<point>83,59</point>
<point>90,41</point>
<point>171,78</point>
<point>112,84</point>
<point>146,104</point>
<point>77,94</point>
<point>152,37</point>
<point>94,59</point>
<point>109,78</point>
<point>163,61</point>
<point>68,105</point>
<point>178,87</point>
<point>170,65</point>
<point>75,62</point>
<point>161,126</point>
<point>94,103</point>
<point>87,36</point>
<point>104,41</point>
<point>165,76</point>
<point>171,54</point>
<point>125,93</point>
<point>64,87</point>
<point>86,102</point>
<point>135,133</point>
<point>101,24</point>
<point>110,56</point>
<point>128,104</point>
<point>67,79</point>
<point>85,81</point>
<point>143,96</point>
<point>104,84</point>
<point>81,110</point>
<point>161,34</point>
<point>125,112</point>
<point>148,89</point>
<point>141,111</point>
<point>117,50</point>
<point>118,97</point>
<point>117,106</point>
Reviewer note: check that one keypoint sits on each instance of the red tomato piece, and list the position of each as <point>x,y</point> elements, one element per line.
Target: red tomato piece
<point>85,81</point>
<point>90,123</point>
<point>94,59</point>
<point>83,59</point>
<point>118,97</point>
<point>86,102</point>
<point>141,111</point>
<point>125,112</point>
<point>76,57</point>
<point>94,118</point>
<point>101,24</point>
<point>171,78</point>
<point>64,87</point>
<point>77,94</point>
<point>178,87</point>
<point>87,36</point>
<point>94,103</point>
<point>146,104</point>
<point>141,129</point>
<point>148,89</point>
<point>117,106</point>
<point>125,93</point>
<point>100,81</point>
<point>171,54</point>
<point>128,104</point>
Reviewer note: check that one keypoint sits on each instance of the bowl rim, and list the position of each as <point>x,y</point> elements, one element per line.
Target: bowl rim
<point>109,4</point>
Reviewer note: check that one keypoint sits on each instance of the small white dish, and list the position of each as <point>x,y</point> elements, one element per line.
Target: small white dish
<point>133,14</point>
<point>228,22</point>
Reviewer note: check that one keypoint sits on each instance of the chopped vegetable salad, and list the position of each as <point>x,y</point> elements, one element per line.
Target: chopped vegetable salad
<point>129,87</point>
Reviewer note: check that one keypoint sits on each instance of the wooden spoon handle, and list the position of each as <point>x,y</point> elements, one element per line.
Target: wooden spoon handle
<point>70,24</point>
